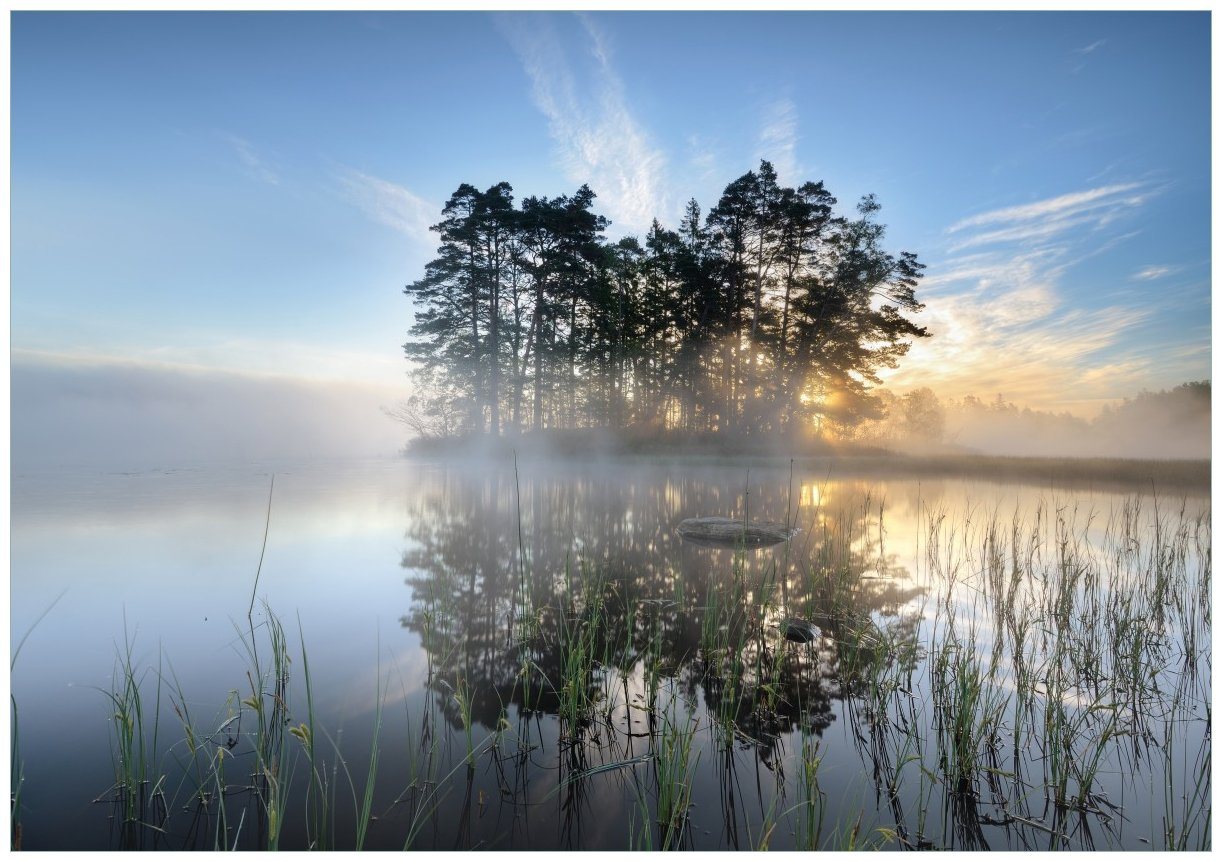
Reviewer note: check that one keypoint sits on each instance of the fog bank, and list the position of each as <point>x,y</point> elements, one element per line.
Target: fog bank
<point>1170,424</point>
<point>113,415</point>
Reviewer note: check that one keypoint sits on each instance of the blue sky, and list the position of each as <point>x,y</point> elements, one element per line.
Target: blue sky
<point>247,193</point>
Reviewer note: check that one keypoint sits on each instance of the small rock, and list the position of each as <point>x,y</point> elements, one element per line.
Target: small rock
<point>727,532</point>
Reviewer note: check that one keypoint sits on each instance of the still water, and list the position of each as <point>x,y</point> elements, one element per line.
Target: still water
<point>446,606</point>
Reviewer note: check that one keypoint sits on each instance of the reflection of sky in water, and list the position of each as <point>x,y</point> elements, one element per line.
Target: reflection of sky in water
<point>174,554</point>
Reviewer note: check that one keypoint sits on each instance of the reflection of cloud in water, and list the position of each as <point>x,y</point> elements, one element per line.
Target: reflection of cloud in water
<point>401,673</point>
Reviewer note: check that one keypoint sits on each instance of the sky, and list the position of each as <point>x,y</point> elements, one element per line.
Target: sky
<point>209,206</point>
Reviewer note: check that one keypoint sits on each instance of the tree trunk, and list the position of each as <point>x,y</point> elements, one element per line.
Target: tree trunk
<point>494,343</point>
<point>538,336</point>
<point>477,409</point>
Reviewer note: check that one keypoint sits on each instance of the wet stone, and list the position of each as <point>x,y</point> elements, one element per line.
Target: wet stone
<point>728,532</point>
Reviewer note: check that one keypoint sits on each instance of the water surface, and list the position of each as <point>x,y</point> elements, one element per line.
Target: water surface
<point>429,588</point>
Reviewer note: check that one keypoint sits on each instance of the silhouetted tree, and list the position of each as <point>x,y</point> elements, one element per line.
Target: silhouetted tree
<point>458,302</point>
<point>771,316</point>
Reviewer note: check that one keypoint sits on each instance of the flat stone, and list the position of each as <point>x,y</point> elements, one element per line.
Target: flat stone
<point>727,532</point>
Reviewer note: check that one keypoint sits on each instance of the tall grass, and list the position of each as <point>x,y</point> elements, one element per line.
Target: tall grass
<point>139,799</point>
<point>674,770</point>
<point>16,765</point>
<point>17,779</point>
<point>319,804</point>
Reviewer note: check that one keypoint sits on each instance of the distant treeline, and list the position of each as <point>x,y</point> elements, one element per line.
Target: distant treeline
<point>1173,423</point>
<point>768,316</point>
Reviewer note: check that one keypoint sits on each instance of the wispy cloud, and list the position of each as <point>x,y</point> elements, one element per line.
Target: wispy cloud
<point>1051,217</point>
<point>1150,273</point>
<point>599,139</point>
<point>778,139</point>
<point>1080,55</point>
<point>1000,310</point>
<point>256,166</point>
<point>390,204</point>
<point>1014,335</point>
<point>1091,48</point>
<point>1062,206</point>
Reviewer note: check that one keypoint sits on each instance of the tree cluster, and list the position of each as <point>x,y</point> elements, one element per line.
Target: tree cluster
<point>770,315</point>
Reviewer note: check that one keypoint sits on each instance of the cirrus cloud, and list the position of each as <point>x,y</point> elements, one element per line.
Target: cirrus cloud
<point>598,138</point>
<point>1151,273</point>
<point>1051,217</point>
<point>389,203</point>
<point>1008,319</point>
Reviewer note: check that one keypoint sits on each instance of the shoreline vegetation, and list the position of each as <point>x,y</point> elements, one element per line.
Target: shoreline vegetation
<point>837,459</point>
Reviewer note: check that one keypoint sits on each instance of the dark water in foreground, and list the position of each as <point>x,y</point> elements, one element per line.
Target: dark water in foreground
<point>997,666</point>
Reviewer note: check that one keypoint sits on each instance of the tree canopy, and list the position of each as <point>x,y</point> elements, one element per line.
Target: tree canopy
<point>770,315</point>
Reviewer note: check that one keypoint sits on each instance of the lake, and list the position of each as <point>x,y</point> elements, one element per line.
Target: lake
<point>477,657</point>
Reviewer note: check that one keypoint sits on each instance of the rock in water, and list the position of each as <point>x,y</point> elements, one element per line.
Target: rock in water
<point>727,532</point>
<point>798,630</point>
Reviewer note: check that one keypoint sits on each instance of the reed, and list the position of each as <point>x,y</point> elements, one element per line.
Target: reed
<point>319,802</point>
<point>810,807</point>
<point>17,772</point>
<point>139,798</point>
<point>16,766</point>
<point>674,767</point>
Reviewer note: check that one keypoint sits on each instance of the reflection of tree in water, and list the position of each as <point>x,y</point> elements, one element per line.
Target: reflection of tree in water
<point>483,617</point>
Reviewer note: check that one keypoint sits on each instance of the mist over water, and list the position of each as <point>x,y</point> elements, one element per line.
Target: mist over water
<point>114,416</point>
<point>1176,425</point>
<point>1167,424</point>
